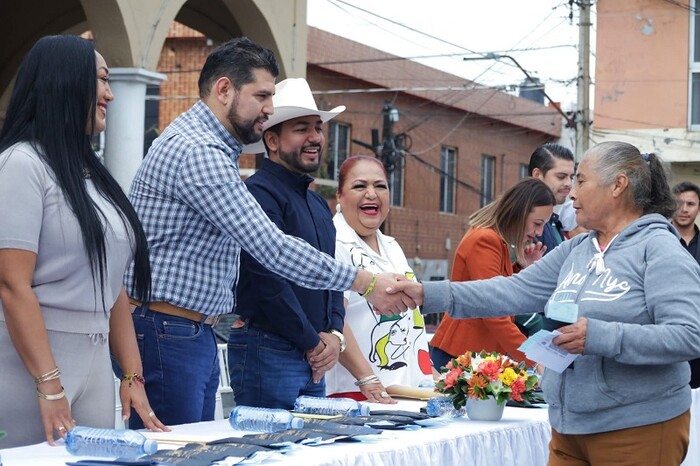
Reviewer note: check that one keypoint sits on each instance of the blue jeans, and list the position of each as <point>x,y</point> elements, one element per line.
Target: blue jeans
<point>180,365</point>
<point>268,370</point>
<point>439,357</point>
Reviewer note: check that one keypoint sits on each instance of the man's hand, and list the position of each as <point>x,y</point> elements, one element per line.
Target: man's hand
<point>324,356</point>
<point>394,303</point>
<point>409,288</point>
<point>573,337</point>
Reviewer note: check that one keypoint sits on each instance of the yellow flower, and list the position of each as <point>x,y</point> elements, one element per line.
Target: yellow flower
<point>508,376</point>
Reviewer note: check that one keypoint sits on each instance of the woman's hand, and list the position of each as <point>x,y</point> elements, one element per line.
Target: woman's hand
<point>55,414</point>
<point>133,395</point>
<point>573,337</point>
<point>533,253</point>
<point>376,393</point>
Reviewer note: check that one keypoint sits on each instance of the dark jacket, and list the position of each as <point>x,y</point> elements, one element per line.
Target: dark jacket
<point>269,301</point>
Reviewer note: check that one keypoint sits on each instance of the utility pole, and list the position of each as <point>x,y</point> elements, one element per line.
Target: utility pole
<point>389,150</point>
<point>583,119</point>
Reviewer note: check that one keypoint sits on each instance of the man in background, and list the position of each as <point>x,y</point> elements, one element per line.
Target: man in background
<point>554,165</point>
<point>284,329</point>
<point>688,196</point>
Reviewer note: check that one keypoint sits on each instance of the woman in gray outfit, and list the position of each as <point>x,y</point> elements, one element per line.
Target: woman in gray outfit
<point>67,233</point>
<point>625,400</point>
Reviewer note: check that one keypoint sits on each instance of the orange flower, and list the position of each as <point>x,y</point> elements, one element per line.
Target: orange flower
<point>476,382</point>
<point>465,360</point>
<point>490,369</point>
<point>452,377</point>
<point>516,390</point>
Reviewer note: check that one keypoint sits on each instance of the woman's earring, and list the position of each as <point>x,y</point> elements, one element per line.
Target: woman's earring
<point>337,208</point>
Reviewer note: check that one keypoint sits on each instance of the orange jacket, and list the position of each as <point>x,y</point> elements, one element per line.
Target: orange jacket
<point>482,253</point>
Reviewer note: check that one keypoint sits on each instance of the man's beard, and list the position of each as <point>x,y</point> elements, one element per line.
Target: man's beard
<point>244,129</point>
<point>294,160</point>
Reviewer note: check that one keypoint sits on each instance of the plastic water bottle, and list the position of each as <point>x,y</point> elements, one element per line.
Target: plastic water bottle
<point>263,419</point>
<point>117,443</point>
<point>442,406</point>
<point>330,406</point>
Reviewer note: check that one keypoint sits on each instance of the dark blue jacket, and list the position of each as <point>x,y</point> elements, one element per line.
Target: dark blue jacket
<point>270,301</point>
<point>552,234</point>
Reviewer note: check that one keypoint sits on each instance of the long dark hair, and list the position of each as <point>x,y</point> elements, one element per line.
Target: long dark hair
<point>53,99</point>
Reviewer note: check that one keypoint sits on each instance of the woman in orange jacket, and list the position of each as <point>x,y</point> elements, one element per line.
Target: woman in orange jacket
<point>508,225</point>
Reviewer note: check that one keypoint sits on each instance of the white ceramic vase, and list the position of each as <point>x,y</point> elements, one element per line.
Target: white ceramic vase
<point>484,410</point>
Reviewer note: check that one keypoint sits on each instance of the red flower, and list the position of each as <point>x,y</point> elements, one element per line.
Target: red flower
<point>516,389</point>
<point>452,376</point>
<point>490,369</point>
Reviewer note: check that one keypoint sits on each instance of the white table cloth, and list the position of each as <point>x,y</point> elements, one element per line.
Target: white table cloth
<point>521,438</point>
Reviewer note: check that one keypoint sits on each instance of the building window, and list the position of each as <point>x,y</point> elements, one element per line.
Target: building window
<point>694,107</point>
<point>338,147</point>
<point>448,159</point>
<point>524,172</point>
<point>488,175</point>
<point>396,183</point>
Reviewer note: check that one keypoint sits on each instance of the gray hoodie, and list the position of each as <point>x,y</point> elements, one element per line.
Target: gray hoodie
<point>643,312</point>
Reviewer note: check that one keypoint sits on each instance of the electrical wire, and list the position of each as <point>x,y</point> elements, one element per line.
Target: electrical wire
<point>691,9</point>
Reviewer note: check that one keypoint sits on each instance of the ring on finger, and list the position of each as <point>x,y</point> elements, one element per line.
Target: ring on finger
<point>384,395</point>
<point>151,414</point>
<point>61,428</point>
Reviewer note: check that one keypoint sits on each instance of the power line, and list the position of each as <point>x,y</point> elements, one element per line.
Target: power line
<point>693,10</point>
<point>444,173</point>
<point>441,55</point>
<point>423,33</point>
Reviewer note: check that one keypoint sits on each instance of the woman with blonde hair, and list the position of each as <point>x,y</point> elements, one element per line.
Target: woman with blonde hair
<point>506,228</point>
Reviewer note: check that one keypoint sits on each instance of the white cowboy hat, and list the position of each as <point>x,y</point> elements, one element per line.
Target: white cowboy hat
<point>292,99</point>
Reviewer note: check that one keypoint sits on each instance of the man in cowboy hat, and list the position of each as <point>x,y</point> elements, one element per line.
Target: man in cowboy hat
<point>287,332</point>
<point>198,216</point>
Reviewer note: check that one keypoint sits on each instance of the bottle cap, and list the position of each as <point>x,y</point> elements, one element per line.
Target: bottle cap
<point>150,446</point>
<point>297,423</point>
<point>364,410</point>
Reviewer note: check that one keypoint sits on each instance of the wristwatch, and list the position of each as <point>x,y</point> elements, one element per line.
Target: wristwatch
<point>340,336</point>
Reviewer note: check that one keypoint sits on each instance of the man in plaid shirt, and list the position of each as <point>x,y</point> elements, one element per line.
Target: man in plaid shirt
<point>198,214</point>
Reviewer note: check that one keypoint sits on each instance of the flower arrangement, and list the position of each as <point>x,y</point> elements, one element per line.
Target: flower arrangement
<point>483,375</point>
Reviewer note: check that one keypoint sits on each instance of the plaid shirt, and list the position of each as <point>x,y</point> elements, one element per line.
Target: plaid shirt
<point>198,214</point>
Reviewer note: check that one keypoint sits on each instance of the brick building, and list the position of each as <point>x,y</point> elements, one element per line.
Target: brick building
<point>465,144</point>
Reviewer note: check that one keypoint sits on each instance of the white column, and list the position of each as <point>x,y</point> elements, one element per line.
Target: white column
<point>125,122</point>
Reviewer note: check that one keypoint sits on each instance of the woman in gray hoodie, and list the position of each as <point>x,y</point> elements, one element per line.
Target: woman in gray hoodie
<point>625,400</point>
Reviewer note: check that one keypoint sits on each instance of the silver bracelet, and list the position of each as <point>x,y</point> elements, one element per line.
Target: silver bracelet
<point>55,397</point>
<point>370,379</point>
<point>51,375</point>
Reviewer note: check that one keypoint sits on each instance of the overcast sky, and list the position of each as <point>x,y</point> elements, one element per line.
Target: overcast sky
<point>537,33</point>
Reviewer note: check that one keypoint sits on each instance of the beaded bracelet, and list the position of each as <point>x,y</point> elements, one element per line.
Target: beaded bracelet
<point>55,397</point>
<point>133,378</point>
<point>51,375</point>
<point>370,288</point>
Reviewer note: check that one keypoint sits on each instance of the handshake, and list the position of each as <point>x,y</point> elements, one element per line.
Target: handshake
<point>389,293</point>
